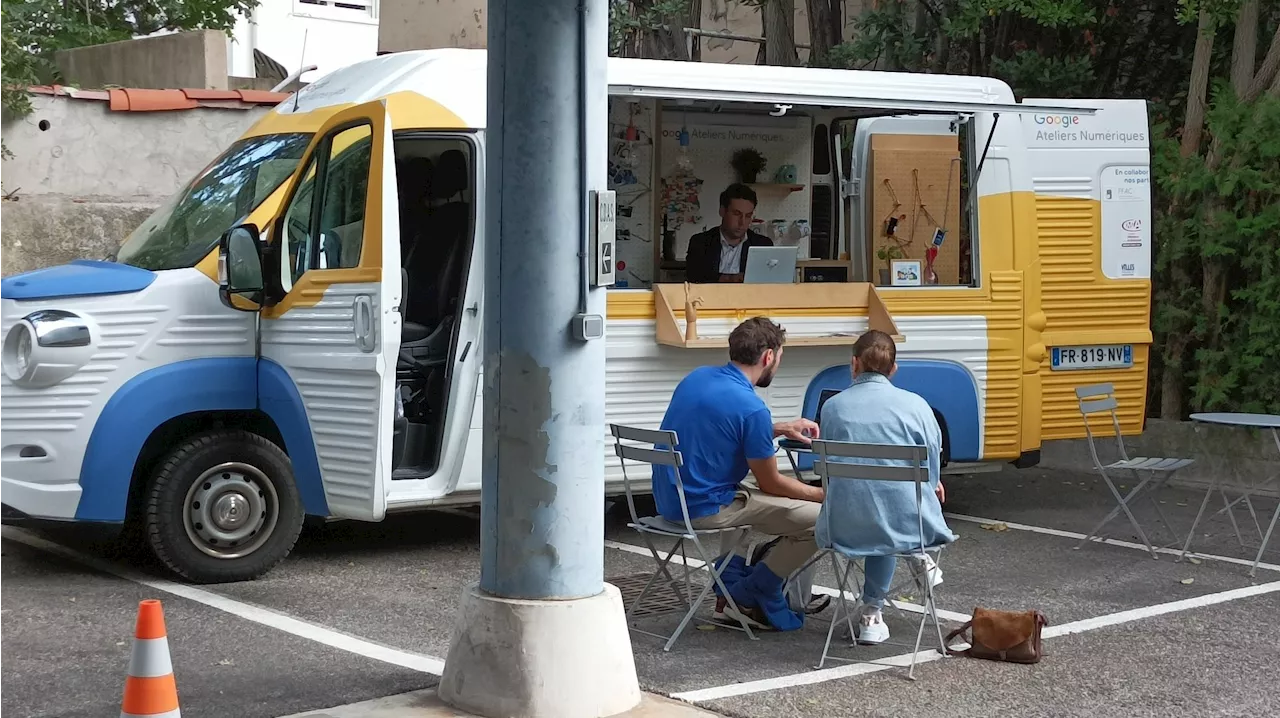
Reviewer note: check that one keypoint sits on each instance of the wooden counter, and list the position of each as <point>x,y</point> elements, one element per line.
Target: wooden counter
<point>673,302</point>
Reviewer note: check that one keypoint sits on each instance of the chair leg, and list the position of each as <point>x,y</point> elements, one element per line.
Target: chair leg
<point>717,578</point>
<point>716,581</point>
<point>931,602</point>
<point>662,568</point>
<point>930,613</point>
<point>688,572</point>
<point>1152,494</point>
<point>923,577</point>
<point>1123,502</point>
<point>842,604</point>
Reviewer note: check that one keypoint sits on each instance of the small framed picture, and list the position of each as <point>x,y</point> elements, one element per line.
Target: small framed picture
<point>906,273</point>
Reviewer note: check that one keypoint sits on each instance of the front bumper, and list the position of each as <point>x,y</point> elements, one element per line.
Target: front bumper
<point>50,501</point>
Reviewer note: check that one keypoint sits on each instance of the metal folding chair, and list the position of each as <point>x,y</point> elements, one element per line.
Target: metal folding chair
<point>1150,473</point>
<point>661,448</point>
<point>915,469</point>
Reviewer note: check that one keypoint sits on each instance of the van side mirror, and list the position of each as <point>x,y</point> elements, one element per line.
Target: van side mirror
<point>240,273</point>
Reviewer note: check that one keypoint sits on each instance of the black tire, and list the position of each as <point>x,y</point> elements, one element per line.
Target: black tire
<point>249,465</point>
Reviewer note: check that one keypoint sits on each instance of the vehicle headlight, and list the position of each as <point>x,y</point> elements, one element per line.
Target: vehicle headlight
<point>17,351</point>
<point>45,347</point>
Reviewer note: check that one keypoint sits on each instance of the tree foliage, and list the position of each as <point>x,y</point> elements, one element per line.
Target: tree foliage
<point>36,29</point>
<point>650,28</point>
<point>1210,72</point>
<point>1221,232</point>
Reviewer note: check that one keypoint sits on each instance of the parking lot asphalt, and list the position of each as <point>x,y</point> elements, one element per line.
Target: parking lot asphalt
<point>366,610</point>
<point>67,634</point>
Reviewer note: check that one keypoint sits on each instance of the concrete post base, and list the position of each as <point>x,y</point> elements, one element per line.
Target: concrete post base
<point>513,658</point>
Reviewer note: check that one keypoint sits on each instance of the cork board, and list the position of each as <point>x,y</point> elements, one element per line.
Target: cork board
<point>915,178</point>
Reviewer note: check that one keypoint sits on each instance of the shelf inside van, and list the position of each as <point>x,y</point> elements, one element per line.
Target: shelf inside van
<point>820,314</point>
<point>772,188</point>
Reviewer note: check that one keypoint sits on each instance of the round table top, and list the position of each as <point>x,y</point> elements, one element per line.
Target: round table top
<point>1262,421</point>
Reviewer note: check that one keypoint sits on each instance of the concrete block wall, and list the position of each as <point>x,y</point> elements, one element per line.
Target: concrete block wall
<point>188,60</point>
<point>83,177</point>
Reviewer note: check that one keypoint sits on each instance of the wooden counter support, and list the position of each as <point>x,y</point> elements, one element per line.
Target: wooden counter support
<point>672,302</point>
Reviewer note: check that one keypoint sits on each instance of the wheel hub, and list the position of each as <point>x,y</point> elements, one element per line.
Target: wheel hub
<point>231,510</point>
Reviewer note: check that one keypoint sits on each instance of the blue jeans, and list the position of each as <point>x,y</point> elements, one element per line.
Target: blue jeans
<point>879,576</point>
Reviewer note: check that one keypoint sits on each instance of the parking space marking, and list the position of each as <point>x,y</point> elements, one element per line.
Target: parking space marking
<point>240,609</point>
<point>904,659</point>
<point>809,678</point>
<point>1134,614</point>
<point>1111,542</point>
<point>822,590</point>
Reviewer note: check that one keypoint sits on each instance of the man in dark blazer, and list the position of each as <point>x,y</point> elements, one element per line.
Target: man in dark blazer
<point>720,254</point>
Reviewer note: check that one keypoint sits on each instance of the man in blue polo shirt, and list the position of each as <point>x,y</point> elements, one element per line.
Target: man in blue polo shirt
<point>725,430</point>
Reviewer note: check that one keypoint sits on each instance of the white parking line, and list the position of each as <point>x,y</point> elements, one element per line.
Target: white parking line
<point>1111,542</point>
<point>809,678</point>
<point>904,659</point>
<point>240,609</point>
<point>823,590</point>
<point>1115,619</point>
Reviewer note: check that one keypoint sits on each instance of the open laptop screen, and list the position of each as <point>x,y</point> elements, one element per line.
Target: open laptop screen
<point>822,399</point>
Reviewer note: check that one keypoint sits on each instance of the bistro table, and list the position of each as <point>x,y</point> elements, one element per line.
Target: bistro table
<point>793,448</point>
<point>1255,421</point>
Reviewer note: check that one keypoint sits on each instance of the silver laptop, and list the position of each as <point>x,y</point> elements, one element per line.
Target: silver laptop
<point>771,265</point>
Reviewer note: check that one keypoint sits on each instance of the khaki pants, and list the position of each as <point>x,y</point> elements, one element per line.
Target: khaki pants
<point>791,519</point>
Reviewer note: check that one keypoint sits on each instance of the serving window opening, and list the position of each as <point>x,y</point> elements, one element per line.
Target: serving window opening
<point>853,196</point>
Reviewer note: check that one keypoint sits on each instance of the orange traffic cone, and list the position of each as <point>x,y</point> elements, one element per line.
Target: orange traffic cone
<point>150,689</point>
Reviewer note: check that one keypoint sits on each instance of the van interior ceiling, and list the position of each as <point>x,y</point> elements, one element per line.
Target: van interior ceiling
<point>435,182</point>
<point>866,184</point>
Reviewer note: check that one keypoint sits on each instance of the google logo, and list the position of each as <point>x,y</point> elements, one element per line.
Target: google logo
<point>1063,120</point>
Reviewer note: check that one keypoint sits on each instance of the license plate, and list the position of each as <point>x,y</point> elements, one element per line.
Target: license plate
<point>1109,356</point>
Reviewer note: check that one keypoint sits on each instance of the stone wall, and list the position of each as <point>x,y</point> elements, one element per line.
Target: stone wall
<point>83,177</point>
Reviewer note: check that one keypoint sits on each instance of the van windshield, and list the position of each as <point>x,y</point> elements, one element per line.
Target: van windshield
<point>187,227</point>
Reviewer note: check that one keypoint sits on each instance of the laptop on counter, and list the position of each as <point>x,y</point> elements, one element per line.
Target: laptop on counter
<point>771,265</point>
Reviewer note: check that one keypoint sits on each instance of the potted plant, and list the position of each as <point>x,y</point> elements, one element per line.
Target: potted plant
<point>748,163</point>
<point>887,253</point>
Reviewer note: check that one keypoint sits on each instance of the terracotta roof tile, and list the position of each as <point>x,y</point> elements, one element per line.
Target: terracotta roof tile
<point>212,94</point>
<point>151,100</point>
<point>145,100</point>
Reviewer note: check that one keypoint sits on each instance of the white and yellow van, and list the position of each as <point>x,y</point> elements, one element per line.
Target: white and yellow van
<point>142,390</point>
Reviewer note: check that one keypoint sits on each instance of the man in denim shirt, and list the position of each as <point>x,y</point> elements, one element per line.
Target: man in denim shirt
<point>725,430</point>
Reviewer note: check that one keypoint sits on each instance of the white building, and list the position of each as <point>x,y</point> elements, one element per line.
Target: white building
<point>295,33</point>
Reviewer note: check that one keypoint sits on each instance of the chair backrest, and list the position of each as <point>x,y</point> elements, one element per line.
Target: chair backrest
<point>650,446</point>
<point>914,467</point>
<point>1098,399</point>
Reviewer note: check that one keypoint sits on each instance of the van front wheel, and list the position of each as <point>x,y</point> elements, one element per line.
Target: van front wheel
<point>223,507</point>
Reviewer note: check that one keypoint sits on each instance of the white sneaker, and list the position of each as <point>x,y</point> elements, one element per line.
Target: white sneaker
<point>930,568</point>
<point>871,628</point>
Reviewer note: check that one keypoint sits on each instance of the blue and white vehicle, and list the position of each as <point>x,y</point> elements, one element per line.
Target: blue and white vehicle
<point>297,332</point>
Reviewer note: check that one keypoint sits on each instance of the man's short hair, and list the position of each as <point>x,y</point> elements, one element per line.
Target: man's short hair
<point>876,351</point>
<point>737,190</point>
<point>749,340</point>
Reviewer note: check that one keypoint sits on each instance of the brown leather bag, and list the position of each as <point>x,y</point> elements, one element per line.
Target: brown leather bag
<point>1012,636</point>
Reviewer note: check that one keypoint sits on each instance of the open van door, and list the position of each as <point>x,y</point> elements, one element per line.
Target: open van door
<point>332,340</point>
